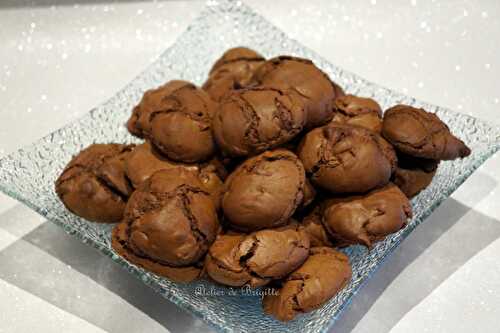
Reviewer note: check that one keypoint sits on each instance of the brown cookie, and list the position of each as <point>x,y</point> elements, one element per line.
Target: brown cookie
<point>93,185</point>
<point>234,70</point>
<point>253,120</point>
<point>181,127</point>
<point>256,259</point>
<point>366,219</point>
<point>346,159</point>
<point>312,226</point>
<point>414,174</point>
<point>419,133</point>
<point>316,89</point>
<point>169,223</point>
<point>264,191</point>
<point>359,111</point>
<point>151,100</point>
<point>320,278</point>
<point>145,160</point>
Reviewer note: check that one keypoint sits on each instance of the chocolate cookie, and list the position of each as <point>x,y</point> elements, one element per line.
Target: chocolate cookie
<point>152,100</point>
<point>312,226</point>
<point>264,191</point>
<point>359,111</point>
<point>169,223</point>
<point>419,133</point>
<point>93,185</point>
<point>256,259</point>
<point>316,89</point>
<point>346,159</point>
<point>181,128</point>
<point>366,219</point>
<point>253,120</point>
<point>145,160</point>
<point>234,70</point>
<point>413,174</point>
<point>320,278</point>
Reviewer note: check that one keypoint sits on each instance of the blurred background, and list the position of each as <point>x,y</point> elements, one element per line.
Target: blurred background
<point>59,59</point>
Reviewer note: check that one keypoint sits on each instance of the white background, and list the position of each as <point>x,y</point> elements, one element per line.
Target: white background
<point>58,60</point>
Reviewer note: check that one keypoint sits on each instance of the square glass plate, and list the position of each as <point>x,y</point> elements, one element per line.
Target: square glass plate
<point>28,174</point>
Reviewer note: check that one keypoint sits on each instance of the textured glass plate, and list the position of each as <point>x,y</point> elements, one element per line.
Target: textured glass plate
<point>28,174</point>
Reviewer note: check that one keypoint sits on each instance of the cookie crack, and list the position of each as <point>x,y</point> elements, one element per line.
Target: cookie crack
<point>251,132</point>
<point>111,189</point>
<point>82,170</point>
<point>280,157</point>
<point>281,59</point>
<point>92,169</point>
<point>284,114</point>
<point>193,221</point>
<point>179,107</point>
<point>243,260</point>
<point>359,111</point>
<point>323,161</point>
<point>295,298</point>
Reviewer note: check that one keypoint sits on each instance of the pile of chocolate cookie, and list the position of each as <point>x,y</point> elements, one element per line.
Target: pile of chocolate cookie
<point>258,178</point>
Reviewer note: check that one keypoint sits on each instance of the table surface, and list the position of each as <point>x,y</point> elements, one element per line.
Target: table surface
<point>60,58</point>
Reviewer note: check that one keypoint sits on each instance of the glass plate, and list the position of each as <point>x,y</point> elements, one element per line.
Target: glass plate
<point>28,174</point>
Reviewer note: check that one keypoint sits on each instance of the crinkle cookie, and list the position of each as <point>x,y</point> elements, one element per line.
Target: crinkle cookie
<point>264,191</point>
<point>325,272</point>
<point>419,133</point>
<point>257,258</point>
<point>169,223</point>
<point>366,219</point>
<point>346,159</point>
<point>94,185</point>
<point>152,100</point>
<point>253,120</point>
<point>315,88</point>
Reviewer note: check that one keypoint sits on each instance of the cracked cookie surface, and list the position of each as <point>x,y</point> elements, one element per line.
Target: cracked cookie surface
<point>93,185</point>
<point>252,120</point>
<point>169,223</point>
<point>181,128</point>
<point>264,191</point>
<point>419,133</point>
<point>324,273</point>
<point>359,111</point>
<point>346,159</point>
<point>232,71</point>
<point>257,258</point>
<point>300,75</point>
<point>152,100</point>
<point>366,219</point>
